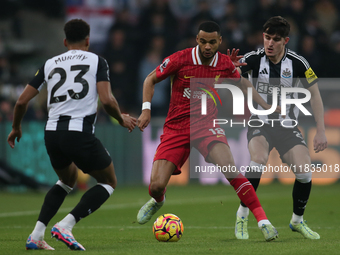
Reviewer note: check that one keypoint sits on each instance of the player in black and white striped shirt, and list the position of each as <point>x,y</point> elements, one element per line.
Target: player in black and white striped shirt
<point>74,81</point>
<point>275,66</point>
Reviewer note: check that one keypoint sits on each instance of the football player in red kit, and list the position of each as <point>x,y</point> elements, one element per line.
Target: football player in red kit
<point>179,133</point>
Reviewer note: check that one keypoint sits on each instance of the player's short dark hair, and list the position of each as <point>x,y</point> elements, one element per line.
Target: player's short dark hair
<point>76,30</point>
<point>209,27</point>
<point>277,26</point>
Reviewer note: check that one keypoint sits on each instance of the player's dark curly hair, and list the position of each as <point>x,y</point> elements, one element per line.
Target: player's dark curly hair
<point>209,27</point>
<point>277,26</point>
<point>76,30</point>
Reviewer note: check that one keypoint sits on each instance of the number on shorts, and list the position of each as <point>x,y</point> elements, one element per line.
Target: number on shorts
<point>217,131</point>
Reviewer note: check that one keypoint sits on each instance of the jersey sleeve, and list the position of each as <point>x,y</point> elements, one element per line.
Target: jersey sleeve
<point>249,58</point>
<point>305,73</point>
<point>38,79</point>
<point>169,66</point>
<point>103,70</point>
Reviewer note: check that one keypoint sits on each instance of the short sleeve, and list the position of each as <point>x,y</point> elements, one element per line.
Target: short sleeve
<point>306,74</point>
<point>38,79</point>
<point>250,59</point>
<point>169,66</point>
<point>103,70</point>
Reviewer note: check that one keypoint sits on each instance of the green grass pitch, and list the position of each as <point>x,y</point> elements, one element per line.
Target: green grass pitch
<point>207,212</point>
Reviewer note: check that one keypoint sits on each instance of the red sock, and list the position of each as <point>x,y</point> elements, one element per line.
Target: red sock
<point>247,194</point>
<point>159,198</point>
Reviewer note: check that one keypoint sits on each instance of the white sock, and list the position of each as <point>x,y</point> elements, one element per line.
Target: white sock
<point>261,222</point>
<point>68,222</point>
<point>68,189</point>
<point>242,211</point>
<point>296,219</point>
<point>38,231</point>
<point>108,188</point>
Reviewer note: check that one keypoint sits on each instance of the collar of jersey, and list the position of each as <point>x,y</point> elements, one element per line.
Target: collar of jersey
<point>197,60</point>
<point>284,56</point>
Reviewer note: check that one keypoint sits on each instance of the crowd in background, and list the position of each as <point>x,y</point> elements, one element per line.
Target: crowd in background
<point>143,32</point>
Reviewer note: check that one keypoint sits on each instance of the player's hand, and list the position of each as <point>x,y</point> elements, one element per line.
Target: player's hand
<point>319,142</point>
<point>128,122</point>
<point>144,119</point>
<point>15,133</point>
<point>277,110</point>
<point>235,59</point>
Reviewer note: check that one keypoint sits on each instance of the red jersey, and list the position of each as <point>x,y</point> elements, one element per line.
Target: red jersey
<point>182,66</point>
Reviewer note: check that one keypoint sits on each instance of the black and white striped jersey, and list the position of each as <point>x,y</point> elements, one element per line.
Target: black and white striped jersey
<point>71,80</point>
<point>292,71</point>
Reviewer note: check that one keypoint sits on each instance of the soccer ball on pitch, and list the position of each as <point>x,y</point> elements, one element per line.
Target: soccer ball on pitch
<point>168,228</point>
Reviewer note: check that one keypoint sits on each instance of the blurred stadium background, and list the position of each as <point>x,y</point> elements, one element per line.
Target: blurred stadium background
<point>134,36</point>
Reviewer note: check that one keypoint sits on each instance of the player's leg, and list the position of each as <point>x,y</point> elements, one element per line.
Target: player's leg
<point>220,154</point>
<point>53,200</point>
<point>88,153</point>
<point>170,156</point>
<point>160,176</point>
<point>67,173</point>
<point>88,204</point>
<point>259,150</point>
<point>296,157</point>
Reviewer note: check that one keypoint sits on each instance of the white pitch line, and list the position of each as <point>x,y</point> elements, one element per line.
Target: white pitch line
<point>148,226</point>
<point>124,206</point>
<point>195,200</point>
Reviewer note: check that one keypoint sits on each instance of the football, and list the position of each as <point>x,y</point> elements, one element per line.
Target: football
<point>168,228</point>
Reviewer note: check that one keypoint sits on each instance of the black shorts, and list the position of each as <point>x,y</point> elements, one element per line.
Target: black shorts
<point>283,139</point>
<point>85,150</point>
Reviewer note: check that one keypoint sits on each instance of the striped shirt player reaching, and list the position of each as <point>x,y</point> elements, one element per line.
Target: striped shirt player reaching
<point>74,81</point>
<point>277,66</point>
<point>202,61</point>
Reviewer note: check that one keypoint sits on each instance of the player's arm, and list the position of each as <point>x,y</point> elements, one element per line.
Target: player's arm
<point>244,84</point>
<point>20,109</point>
<point>111,106</point>
<point>320,140</point>
<point>148,90</point>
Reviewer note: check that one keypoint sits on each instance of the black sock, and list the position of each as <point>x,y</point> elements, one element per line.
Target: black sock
<point>254,178</point>
<point>90,201</point>
<point>53,200</point>
<point>301,193</point>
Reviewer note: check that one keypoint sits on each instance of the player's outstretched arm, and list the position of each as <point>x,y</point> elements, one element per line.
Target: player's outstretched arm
<point>20,109</point>
<point>148,90</point>
<point>245,84</point>
<point>320,140</point>
<point>111,106</point>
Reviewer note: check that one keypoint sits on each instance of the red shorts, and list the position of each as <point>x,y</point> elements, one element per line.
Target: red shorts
<point>176,147</point>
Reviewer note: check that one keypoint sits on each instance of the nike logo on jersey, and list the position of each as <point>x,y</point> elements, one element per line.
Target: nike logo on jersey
<point>264,71</point>
<point>188,77</point>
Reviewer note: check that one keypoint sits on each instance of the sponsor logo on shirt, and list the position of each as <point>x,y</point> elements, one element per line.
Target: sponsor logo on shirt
<point>187,93</point>
<point>266,88</point>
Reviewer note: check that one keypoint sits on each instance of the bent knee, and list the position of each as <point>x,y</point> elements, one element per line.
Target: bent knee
<point>304,177</point>
<point>260,158</point>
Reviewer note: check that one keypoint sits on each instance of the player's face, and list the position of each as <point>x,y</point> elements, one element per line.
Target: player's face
<point>208,44</point>
<point>274,45</point>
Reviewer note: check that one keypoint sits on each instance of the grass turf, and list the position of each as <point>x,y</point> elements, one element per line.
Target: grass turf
<point>207,212</point>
